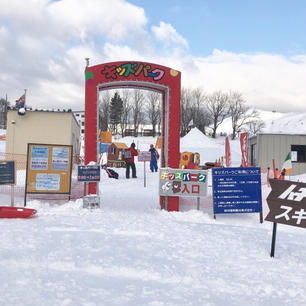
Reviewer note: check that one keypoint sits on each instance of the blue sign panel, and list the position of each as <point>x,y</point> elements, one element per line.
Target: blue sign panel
<point>236,190</point>
<point>103,147</point>
<point>89,173</point>
<point>7,172</point>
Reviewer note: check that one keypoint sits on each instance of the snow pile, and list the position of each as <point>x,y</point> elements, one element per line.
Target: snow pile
<point>209,149</point>
<point>195,138</point>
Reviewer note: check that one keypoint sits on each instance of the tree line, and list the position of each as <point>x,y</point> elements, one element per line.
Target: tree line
<point>124,109</point>
<point>128,109</point>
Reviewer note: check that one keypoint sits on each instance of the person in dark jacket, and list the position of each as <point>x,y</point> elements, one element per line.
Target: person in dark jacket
<point>130,162</point>
<point>154,158</point>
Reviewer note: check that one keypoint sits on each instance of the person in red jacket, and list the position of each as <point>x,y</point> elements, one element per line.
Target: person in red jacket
<point>130,162</point>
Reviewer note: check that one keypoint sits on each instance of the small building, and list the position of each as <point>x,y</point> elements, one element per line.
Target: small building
<point>40,126</point>
<point>115,154</point>
<point>263,148</point>
<point>80,117</point>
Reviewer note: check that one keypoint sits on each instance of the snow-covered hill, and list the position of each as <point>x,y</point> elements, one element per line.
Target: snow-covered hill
<point>275,122</point>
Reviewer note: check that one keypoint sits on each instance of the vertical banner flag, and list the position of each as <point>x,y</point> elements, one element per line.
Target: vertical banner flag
<point>244,149</point>
<point>20,102</point>
<point>287,165</point>
<point>227,153</point>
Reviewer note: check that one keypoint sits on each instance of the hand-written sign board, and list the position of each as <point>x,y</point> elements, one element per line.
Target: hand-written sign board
<point>7,173</point>
<point>144,156</point>
<point>90,173</point>
<point>49,168</point>
<point>287,203</point>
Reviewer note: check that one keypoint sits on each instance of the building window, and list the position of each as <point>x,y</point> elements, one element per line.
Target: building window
<point>298,153</point>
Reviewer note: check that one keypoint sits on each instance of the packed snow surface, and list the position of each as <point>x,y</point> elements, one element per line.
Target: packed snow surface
<point>129,252</point>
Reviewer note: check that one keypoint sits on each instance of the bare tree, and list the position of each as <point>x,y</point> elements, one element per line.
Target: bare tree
<point>239,112</point>
<point>217,103</point>
<point>136,109</point>
<point>200,115</point>
<point>160,117</point>
<point>153,108</point>
<point>255,127</point>
<point>104,108</point>
<point>126,109</point>
<point>203,120</point>
<point>186,109</point>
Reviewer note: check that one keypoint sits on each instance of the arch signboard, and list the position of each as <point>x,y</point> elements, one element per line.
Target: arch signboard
<point>141,75</point>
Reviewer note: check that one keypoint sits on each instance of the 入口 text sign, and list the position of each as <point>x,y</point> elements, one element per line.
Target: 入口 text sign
<point>287,203</point>
<point>182,182</point>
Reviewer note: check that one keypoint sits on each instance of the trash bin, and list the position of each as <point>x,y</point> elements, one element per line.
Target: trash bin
<point>91,201</point>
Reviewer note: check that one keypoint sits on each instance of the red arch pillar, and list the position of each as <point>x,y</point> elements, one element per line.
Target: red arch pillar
<point>136,75</point>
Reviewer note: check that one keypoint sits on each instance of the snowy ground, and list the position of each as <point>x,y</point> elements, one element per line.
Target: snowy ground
<point>129,252</point>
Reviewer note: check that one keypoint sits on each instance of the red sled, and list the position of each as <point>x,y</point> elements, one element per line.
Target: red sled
<point>16,212</point>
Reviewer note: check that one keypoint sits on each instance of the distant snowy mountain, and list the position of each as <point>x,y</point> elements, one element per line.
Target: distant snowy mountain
<point>275,122</point>
<point>211,149</point>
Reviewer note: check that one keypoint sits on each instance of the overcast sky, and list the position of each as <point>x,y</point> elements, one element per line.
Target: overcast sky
<point>254,47</point>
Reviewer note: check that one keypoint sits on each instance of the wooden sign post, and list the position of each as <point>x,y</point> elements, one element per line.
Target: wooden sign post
<point>287,204</point>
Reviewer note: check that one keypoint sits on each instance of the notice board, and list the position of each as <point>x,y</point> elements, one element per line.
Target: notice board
<point>237,190</point>
<point>89,173</point>
<point>7,173</point>
<point>49,168</point>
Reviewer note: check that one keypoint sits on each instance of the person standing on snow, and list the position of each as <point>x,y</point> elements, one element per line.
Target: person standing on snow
<point>154,158</point>
<point>129,160</point>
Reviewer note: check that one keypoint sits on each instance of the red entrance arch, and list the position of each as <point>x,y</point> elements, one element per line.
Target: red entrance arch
<point>140,75</point>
